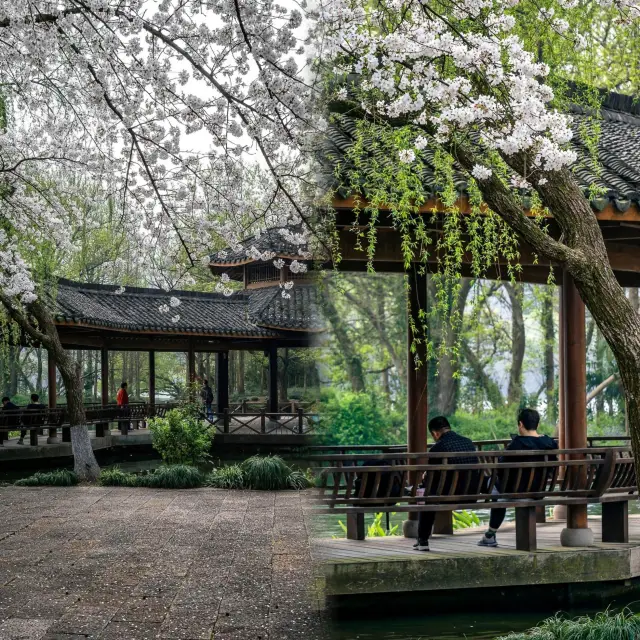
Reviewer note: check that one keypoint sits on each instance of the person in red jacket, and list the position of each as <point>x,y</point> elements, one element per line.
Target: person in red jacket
<point>122,400</point>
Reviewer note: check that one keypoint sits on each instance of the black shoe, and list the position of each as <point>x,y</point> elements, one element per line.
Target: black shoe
<point>488,541</point>
<point>421,545</point>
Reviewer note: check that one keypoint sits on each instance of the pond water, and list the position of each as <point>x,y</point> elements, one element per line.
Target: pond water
<point>446,627</point>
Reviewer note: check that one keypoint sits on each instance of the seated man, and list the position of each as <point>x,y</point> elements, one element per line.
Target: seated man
<point>11,419</point>
<point>528,439</point>
<point>446,440</point>
<point>36,407</point>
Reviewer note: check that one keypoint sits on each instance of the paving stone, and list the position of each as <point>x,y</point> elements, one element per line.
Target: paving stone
<point>121,630</point>
<point>189,622</point>
<point>24,628</point>
<point>144,610</point>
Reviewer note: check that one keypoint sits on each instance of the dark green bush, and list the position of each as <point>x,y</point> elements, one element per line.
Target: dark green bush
<point>603,626</point>
<point>300,480</point>
<point>115,477</point>
<point>181,437</point>
<point>57,478</point>
<point>230,477</point>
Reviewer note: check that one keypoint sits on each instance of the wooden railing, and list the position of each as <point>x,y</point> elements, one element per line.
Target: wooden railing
<point>299,423</point>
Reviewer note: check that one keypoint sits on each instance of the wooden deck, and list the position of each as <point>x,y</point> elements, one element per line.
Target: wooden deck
<point>379,565</point>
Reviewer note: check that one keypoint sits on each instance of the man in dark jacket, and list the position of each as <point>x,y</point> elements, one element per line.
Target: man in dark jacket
<point>528,439</point>
<point>446,441</point>
<point>11,419</point>
<point>37,409</point>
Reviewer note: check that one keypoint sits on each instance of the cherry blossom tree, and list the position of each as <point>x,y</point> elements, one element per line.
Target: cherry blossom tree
<point>458,80</point>
<point>162,104</point>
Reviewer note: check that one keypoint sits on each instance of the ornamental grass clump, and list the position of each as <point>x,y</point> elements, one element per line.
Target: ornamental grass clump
<point>115,477</point>
<point>177,476</point>
<point>57,478</point>
<point>272,473</point>
<point>230,477</point>
<point>603,626</point>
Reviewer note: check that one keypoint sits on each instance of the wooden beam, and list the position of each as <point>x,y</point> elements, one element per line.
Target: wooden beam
<point>434,205</point>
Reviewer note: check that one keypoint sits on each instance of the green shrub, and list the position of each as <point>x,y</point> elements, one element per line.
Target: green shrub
<point>603,626</point>
<point>230,477</point>
<point>181,437</point>
<point>375,529</point>
<point>57,478</point>
<point>115,477</point>
<point>177,476</point>
<point>266,473</point>
<point>465,520</point>
<point>357,418</point>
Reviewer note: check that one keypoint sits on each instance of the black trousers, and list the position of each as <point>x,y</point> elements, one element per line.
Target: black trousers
<point>425,524</point>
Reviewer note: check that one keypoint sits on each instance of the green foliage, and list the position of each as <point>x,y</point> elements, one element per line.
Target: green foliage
<point>57,478</point>
<point>465,520</point>
<point>115,477</point>
<point>299,480</point>
<point>230,477</point>
<point>376,528</point>
<point>603,626</point>
<point>181,438</point>
<point>349,417</point>
<point>177,476</point>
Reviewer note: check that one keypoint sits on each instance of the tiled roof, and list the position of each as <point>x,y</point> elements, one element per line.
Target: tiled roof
<point>258,313</point>
<point>618,152</point>
<point>300,312</point>
<point>272,240</point>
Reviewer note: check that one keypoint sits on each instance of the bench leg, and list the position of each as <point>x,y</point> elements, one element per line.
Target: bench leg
<point>541,515</point>
<point>355,526</point>
<point>443,524</point>
<point>526,528</point>
<point>100,430</point>
<point>66,434</point>
<point>615,522</point>
<point>33,437</point>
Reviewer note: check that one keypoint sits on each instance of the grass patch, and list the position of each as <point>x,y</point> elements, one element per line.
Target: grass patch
<point>603,626</point>
<point>57,478</point>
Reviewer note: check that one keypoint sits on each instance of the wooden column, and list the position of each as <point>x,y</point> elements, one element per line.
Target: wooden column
<point>53,394</point>
<point>417,398</point>
<point>575,384</point>
<point>272,400</point>
<point>152,382</point>
<point>103,428</point>
<point>560,511</point>
<point>191,371</point>
<point>222,380</point>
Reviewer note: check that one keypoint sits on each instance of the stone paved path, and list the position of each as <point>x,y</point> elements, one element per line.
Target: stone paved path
<point>133,564</point>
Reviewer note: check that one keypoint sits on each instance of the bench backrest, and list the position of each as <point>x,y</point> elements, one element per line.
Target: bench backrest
<point>577,473</point>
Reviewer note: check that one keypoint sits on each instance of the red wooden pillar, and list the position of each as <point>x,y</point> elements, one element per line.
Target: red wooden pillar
<point>574,378</point>
<point>417,398</point>
<point>222,380</point>
<point>560,511</point>
<point>53,394</point>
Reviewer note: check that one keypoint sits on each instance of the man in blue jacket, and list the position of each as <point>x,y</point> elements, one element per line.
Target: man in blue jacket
<point>528,439</point>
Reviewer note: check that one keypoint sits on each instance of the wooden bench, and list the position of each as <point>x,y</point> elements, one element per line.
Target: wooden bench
<point>579,476</point>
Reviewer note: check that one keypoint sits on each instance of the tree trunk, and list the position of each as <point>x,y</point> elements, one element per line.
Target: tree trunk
<point>45,332</point>
<point>518,342</point>
<point>548,329</point>
<point>39,371</point>
<point>348,352</point>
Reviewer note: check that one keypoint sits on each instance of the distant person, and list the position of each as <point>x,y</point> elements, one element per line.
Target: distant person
<point>528,439</point>
<point>446,440</point>
<point>206,395</point>
<point>122,400</point>
<point>33,407</point>
<point>8,421</point>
